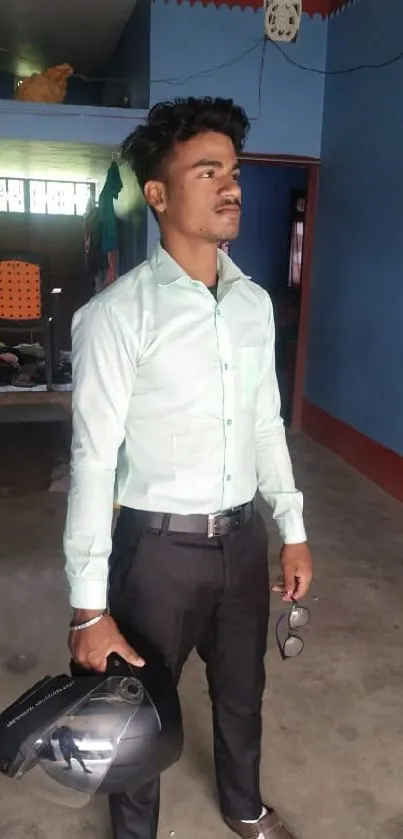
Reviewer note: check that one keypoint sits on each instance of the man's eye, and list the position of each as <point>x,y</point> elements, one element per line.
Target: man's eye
<point>209,173</point>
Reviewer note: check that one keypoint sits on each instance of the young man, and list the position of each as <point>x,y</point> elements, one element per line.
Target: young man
<point>175,397</point>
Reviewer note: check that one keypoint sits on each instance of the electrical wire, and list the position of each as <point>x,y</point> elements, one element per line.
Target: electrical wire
<point>342,72</point>
<point>213,70</point>
<point>175,80</point>
<point>261,74</point>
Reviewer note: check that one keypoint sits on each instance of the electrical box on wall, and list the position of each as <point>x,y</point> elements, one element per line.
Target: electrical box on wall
<point>282,19</point>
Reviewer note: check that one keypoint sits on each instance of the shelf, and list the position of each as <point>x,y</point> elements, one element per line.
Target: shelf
<point>67,123</point>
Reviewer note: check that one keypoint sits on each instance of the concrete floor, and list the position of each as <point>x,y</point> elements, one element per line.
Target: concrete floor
<point>333,721</point>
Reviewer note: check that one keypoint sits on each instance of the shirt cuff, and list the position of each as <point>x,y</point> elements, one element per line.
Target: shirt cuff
<point>88,594</point>
<point>291,528</point>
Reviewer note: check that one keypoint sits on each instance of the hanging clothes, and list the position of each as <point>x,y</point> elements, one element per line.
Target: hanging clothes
<point>111,189</point>
<point>109,223</point>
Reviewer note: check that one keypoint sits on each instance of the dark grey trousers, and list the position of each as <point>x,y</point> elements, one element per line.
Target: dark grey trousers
<point>183,592</point>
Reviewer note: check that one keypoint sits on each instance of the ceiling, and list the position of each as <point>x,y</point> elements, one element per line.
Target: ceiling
<point>83,33</point>
<point>54,161</point>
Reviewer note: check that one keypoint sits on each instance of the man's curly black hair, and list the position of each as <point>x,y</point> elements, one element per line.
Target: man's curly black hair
<point>168,123</point>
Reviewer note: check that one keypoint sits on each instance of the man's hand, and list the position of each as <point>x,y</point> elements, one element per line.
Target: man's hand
<point>296,563</point>
<point>91,647</point>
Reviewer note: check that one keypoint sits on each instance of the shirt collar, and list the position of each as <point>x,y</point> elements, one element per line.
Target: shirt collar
<point>167,271</point>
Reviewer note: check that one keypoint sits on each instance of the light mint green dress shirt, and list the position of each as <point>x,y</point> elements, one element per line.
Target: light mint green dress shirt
<point>176,409</point>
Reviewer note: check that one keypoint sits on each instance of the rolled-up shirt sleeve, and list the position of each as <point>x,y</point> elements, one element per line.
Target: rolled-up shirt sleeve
<point>104,372</point>
<point>273,464</point>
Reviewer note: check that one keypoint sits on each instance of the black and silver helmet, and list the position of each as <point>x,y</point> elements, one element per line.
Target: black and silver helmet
<point>71,737</point>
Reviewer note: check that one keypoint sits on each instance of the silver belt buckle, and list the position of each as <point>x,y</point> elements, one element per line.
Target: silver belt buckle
<point>234,513</point>
<point>211,525</point>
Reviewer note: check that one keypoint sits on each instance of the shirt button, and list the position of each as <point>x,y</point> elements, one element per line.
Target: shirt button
<point>229,421</point>
<point>229,477</point>
<point>226,366</point>
<point>218,312</point>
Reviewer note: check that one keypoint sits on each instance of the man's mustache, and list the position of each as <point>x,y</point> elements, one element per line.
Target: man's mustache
<point>234,203</point>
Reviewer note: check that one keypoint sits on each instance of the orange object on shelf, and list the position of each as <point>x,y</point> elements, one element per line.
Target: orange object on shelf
<point>49,87</point>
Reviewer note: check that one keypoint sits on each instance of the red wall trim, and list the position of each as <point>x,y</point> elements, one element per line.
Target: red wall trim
<point>379,464</point>
<point>324,8</point>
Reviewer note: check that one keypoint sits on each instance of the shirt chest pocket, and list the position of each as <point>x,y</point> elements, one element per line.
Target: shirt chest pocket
<point>250,365</point>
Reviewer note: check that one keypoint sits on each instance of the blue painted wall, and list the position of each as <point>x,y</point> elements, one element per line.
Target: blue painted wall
<point>262,247</point>
<point>355,361</point>
<point>66,123</point>
<point>187,40</point>
<point>291,108</point>
<point>131,61</point>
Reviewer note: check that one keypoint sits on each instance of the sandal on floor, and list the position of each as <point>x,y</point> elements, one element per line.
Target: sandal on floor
<point>270,826</point>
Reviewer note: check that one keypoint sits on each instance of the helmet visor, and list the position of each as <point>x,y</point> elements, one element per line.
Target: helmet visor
<point>71,760</point>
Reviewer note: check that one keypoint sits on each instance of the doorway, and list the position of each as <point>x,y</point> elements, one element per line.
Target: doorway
<point>275,248</point>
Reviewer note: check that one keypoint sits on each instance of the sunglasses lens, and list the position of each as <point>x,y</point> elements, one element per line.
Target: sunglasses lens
<point>293,646</point>
<point>299,616</point>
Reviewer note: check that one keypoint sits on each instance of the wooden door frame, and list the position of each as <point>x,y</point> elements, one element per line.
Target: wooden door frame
<point>312,165</point>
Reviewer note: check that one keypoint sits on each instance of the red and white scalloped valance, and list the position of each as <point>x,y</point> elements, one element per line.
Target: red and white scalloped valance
<point>324,8</point>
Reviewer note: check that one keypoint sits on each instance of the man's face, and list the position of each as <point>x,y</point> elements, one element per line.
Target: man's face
<point>200,196</point>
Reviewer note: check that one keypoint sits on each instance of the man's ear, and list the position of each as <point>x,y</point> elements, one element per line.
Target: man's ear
<point>155,195</point>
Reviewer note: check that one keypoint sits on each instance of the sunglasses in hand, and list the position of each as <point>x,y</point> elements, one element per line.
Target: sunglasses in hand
<point>292,644</point>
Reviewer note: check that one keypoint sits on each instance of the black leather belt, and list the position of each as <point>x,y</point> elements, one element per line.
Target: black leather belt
<point>216,524</point>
